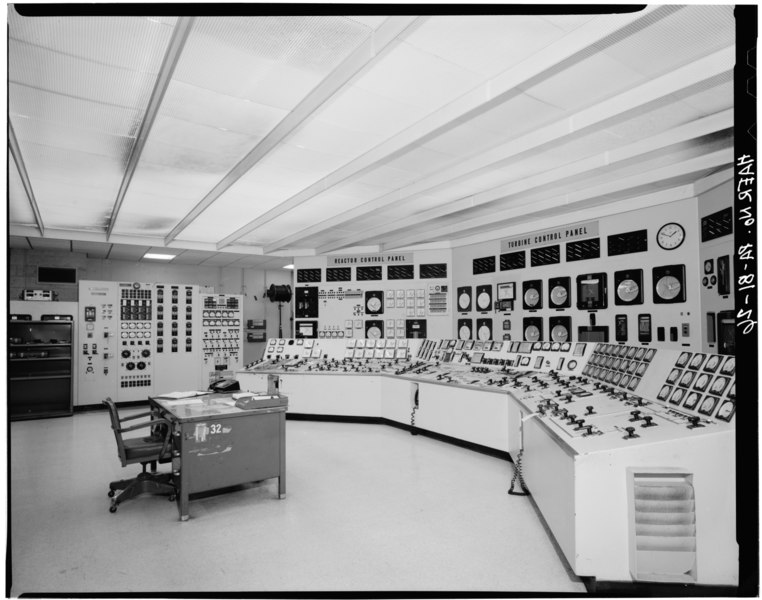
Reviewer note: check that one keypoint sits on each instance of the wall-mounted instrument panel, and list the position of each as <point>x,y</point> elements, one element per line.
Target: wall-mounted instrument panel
<point>384,296</point>
<point>657,276</point>
<point>178,324</point>
<point>221,335</point>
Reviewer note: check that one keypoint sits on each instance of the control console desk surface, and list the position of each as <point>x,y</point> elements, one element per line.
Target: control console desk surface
<point>223,440</point>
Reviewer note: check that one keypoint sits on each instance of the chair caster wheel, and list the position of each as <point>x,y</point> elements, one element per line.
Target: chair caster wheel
<point>112,509</point>
<point>172,498</point>
<point>111,493</point>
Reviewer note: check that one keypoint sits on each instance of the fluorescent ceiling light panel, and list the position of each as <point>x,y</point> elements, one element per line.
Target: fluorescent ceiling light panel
<point>288,266</point>
<point>157,256</point>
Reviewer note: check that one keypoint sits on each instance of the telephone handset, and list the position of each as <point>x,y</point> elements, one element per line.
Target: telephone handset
<point>225,385</point>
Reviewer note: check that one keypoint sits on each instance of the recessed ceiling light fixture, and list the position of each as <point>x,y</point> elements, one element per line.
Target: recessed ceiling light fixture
<point>289,267</point>
<point>156,256</point>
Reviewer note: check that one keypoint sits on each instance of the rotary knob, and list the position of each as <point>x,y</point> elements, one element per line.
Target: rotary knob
<point>630,433</point>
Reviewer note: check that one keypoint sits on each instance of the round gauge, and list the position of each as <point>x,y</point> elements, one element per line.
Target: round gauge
<point>677,396</point>
<point>708,267</point>
<point>546,346</point>
<point>558,295</point>
<point>670,236</point>
<point>124,334</point>
<point>711,364</point>
<point>627,290</point>
<point>683,358</point>
<point>559,334</point>
<point>696,362</point>
<point>663,392</point>
<point>718,385</point>
<point>483,300</point>
<point>555,346</point>
<point>571,365</point>
<point>537,346</point>
<point>374,304</point>
<point>531,297</point>
<point>702,381</point>
<point>464,300</point>
<point>373,333</point>
<point>687,378</point>
<point>464,332</point>
<point>732,391</point>
<point>484,332</point>
<point>713,280</point>
<point>705,281</point>
<point>708,405</point>
<point>532,334</point>
<point>668,287</point>
<point>692,400</point>
<point>672,377</point>
<point>729,366</point>
<point>565,347</point>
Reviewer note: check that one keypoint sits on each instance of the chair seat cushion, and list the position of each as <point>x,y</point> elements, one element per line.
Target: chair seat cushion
<point>137,448</point>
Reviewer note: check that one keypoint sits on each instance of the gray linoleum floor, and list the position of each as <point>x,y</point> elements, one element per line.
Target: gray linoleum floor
<point>368,508</point>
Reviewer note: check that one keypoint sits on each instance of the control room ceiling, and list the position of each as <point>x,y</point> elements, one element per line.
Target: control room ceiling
<point>249,140</point>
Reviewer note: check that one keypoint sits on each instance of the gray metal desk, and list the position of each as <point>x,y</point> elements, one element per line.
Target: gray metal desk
<point>216,445</point>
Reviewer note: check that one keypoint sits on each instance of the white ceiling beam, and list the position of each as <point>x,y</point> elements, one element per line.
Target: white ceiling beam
<point>704,185</point>
<point>19,160</point>
<point>180,34</point>
<point>477,101</point>
<point>588,165</point>
<point>670,83</point>
<point>380,42</point>
<point>720,158</point>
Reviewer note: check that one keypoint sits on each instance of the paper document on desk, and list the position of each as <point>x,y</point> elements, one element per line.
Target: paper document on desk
<point>179,395</point>
<point>251,395</point>
<point>184,401</point>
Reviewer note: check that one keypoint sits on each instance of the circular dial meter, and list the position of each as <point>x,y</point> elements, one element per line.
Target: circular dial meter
<point>531,333</point>
<point>484,332</point>
<point>374,304</point>
<point>559,333</point>
<point>668,287</point>
<point>464,332</point>
<point>531,297</point>
<point>559,295</point>
<point>373,333</point>
<point>483,300</point>
<point>627,290</point>
<point>463,301</point>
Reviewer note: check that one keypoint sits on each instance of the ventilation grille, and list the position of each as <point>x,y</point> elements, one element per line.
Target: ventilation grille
<point>484,265</point>
<point>628,242</point>
<point>664,516</point>
<point>434,271</point>
<point>547,255</point>
<point>513,260</point>
<point>309,276</point>
<point>368,273</point>
<point>400,272</point>
<point>583,250</point>
<point>717,225</point>
<point>338,274</point>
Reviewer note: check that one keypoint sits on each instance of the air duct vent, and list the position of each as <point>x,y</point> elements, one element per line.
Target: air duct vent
<point>717,225</point>
<point>513,260</point>
<point>338,274</point>
<point>309,276</point>
<point>433,271</point>
<point>628,242</point>
<point>369,273</point>
<point>547,255</point>
<point>400,272</point>
<point>484,265</point>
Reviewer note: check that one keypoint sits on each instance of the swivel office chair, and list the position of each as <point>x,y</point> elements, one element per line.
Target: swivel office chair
<point>144,450</point>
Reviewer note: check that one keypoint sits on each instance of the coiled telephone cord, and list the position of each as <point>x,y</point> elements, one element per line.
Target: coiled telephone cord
<point>412,420</point>
<point>517,475</point>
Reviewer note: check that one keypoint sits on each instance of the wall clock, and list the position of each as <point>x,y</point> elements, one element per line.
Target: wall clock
<point>670,236</point>
<point>629,287</point>
<point>669,284</point>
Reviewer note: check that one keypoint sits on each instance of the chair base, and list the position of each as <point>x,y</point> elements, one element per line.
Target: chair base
<point>152,483</point>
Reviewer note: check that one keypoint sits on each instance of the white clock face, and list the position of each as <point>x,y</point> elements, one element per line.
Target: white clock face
<point>483,300</point>
<point>374,333</point>
<point>531,297</point>
<point>464,332</point>
<point>559,333</point>
<point>558,295</point>
<point>670,236</point>
<point>484,332</point>
<point>374,304</point>
<point>627,290</point>
<point>531,334</point>
<point>464,300</point>
<point>668,287</point>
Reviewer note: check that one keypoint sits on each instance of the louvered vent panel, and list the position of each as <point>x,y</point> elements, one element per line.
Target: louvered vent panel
<point>717,225</point>
<point>368,273</point>
<point>628,242</point>
<point>547,255</point>
<point>338,274</point>
<point>308,276</point>
<point>664,519</point>
<point>513,260</point>
<point>400,272</point>
<point>484,265</point>
<point>583,250</point>
<point>433,271</point>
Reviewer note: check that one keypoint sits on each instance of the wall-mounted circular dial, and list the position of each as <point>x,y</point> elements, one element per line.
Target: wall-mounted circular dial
<point>670,236</point>
<point>558,295</point>
<point>668,287</point>
<point>627,290</point>
<point>464,333</point>
<point>559,333</point>
<point>483,301</point>
<point>464,301</point>
<point>531,297</point>
<point>373,333</point>
<point>531,333</point>
<point>374,304</point>
<point>484,332</point>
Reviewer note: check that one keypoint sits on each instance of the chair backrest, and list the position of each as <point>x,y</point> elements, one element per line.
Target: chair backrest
<point>116,425</point>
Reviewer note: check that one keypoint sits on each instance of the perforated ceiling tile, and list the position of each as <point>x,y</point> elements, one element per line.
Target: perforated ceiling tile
<point>229,146</point>
<point>421,161</point>
<point>485,44</point>
<point>712,99</point>
<point>418,78</point>
<point>19,209</point>
<point>203,106</point>
<point>186,159</point>
<point>305,160</point>
<point>320,135</point>
<point>516,116</point>
<point>72,206</point>
<point>386,178</point>
<point>463,140</point>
